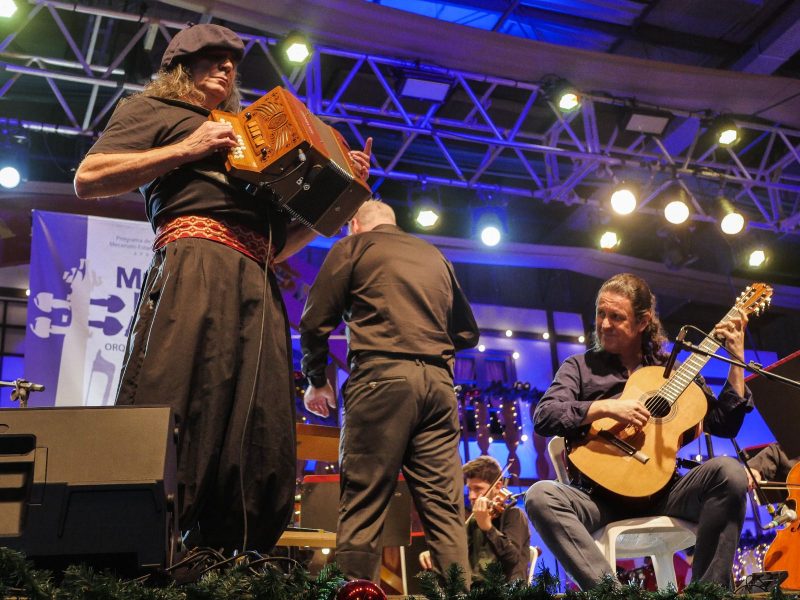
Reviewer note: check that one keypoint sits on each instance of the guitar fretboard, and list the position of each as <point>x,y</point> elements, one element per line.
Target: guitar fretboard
<point>683,376</point>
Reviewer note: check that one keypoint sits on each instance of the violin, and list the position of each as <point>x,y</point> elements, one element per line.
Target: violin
<point>784,552</point>
<point>501,501</point>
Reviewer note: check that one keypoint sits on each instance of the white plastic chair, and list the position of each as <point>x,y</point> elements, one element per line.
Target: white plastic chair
<point>658,537</point>
<point>535,552</point>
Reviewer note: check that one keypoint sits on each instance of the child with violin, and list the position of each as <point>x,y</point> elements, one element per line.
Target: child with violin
<point>496,531</point>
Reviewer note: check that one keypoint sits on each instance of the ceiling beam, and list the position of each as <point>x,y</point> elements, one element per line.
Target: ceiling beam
<point>775,46</point>
<point>687,284</point>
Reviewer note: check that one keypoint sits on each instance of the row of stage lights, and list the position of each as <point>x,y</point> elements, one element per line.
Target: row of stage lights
<point>488,225</point>
<point>624,201</point>
<point>581,339</point>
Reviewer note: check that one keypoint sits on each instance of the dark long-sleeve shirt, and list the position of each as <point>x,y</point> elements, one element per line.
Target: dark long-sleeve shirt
<point>396,293</point>
<point>597,375</point>
<point>772,463</point>
<point>508,542</point>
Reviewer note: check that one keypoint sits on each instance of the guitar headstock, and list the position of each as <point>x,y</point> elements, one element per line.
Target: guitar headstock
<point>755,298</point>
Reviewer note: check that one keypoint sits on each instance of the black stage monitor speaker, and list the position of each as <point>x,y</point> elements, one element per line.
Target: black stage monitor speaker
<point>89,485</point>
<point>319,508</point>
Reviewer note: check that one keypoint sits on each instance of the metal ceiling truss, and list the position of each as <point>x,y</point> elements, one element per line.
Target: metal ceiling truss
<point>490,135</point>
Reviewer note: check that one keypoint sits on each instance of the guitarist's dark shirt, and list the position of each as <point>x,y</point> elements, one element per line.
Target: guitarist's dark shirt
<point>597,375</point>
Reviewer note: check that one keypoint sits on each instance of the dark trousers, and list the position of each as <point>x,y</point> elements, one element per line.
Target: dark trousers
<point>201,344</point>
<point>399,414</point>
<point>712,495</point>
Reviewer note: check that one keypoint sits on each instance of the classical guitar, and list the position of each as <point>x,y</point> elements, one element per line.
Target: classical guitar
<point>639,462</point>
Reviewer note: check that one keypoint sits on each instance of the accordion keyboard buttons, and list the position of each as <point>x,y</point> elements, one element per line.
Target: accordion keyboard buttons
<point>238,152</point>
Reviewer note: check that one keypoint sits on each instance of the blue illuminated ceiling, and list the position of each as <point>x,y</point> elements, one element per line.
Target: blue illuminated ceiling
<point>544,21</point>
<point>711,33</point>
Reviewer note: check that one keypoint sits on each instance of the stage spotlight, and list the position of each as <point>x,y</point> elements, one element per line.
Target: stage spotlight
<point>546,335</point>
<point>757,258</point>
<point>481,348</point>
<point>732,221</point>
<point>676,212</point>
<point>569,100</point>
<point>297,48</point>
<point>609,240</point>
<point>427,217</point>
<point>515,355</point>
<point>726,130</point>
<point>581,339</point>
<point>490,225</point>
<point>623,199</point>
<point>7,8</point>
<point>491,236</point>
<point>14,148</point>
<point>9,177</point>
<point>563,94</point>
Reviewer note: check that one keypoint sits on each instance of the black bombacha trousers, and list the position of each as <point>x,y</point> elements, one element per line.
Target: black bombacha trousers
<point>194,345</point>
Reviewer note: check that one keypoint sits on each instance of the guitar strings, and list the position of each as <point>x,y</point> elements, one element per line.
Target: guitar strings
<point>660,401</point>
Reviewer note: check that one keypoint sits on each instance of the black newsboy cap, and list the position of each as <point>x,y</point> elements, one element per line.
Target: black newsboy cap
<point>199,37</point>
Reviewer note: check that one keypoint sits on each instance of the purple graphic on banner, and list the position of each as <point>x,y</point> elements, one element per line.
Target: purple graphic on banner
<point>86,273</point>
<point>58,248</point>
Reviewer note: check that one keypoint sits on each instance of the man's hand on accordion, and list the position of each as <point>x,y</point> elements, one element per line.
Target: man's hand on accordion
<point>360,159</point>
<point>210,137</point>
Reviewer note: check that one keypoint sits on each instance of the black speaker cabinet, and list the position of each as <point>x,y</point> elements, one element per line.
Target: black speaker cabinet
<point>89,485</point>
<point>319,508</point>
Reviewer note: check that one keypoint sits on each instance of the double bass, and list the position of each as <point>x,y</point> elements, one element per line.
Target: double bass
<point>784,552</point>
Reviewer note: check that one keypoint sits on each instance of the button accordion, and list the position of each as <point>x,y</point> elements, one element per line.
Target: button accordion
<point>301,159</point>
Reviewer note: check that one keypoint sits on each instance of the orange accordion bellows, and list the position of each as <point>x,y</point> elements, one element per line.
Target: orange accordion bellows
<point>301,159</point>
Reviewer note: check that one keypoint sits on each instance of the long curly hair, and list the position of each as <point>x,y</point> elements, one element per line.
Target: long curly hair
<point>635,289</point>
<point>176,83</point>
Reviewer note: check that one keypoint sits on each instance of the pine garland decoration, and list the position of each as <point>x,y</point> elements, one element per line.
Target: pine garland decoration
<point>18,577</point>
<point>263,580</point>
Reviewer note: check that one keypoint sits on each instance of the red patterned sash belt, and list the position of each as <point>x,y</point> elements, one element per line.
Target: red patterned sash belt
<point>242,239</point>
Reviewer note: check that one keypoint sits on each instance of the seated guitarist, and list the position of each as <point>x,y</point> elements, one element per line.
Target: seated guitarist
<point>628,335</point>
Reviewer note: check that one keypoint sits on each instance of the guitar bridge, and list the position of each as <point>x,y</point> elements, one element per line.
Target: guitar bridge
<point>624,446</point>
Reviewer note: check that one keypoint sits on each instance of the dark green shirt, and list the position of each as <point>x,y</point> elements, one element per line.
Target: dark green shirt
<point>507,542</point>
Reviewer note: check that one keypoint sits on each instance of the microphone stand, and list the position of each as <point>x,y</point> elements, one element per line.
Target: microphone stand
<point>22,389</point>
<point>753,367</point>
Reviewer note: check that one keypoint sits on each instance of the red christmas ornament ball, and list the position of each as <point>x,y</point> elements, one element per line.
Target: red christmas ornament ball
<point>360,589</point>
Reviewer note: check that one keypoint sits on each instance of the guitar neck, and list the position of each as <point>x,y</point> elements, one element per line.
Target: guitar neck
<point>685,374</point>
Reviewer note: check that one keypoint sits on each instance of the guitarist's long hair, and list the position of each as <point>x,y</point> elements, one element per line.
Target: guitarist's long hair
<point>635,289</point>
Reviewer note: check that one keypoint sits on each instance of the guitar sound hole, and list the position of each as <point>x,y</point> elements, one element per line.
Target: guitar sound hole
<point>659,407</point>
